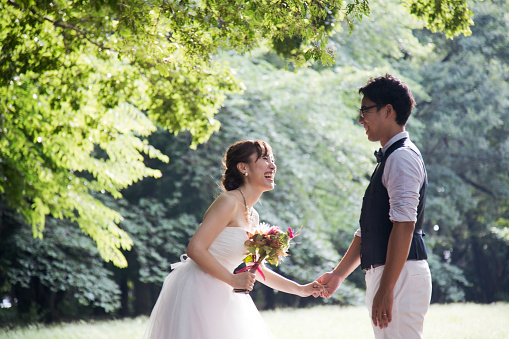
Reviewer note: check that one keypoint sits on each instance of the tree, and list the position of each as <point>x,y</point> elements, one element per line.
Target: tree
<point>80,95</point>
<point>84,82</point>
<point>53,279</point>
<point>465,144</point>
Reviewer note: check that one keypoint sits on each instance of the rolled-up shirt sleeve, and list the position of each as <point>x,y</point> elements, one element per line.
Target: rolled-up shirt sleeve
<point>403,177</point>
<point>358,233</point>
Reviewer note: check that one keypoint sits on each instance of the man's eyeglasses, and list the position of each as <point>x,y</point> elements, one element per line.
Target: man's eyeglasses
<point>362,110</point>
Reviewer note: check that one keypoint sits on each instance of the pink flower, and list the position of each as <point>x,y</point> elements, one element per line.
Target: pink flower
<point>290,233</point>
<point>273,230</point>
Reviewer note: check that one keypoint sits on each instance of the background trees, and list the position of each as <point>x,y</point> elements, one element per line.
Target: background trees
<point>83,82</point>
<point>94,94</point>
<point>466,140</point>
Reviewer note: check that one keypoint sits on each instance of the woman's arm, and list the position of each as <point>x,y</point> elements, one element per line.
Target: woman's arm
<point>280,283</point>
<point>219,215</point>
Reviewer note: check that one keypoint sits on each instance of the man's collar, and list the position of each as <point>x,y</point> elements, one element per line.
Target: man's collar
<point>395,138</point>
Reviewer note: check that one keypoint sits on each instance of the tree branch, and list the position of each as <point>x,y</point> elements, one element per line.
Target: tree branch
<point>80,32</point>
<point>476,185</point>
<point>60,24</point>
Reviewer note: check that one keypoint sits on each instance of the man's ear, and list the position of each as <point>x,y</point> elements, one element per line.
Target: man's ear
<point>389,110</point>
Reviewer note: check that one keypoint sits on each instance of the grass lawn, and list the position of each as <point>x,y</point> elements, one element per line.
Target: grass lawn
<point>455,321</point>
<point>323,322</point>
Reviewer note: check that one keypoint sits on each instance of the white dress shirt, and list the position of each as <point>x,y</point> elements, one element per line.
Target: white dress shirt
<point>403,177</point>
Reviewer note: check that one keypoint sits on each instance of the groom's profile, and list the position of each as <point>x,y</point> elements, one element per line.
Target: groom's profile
<point>389,244</point>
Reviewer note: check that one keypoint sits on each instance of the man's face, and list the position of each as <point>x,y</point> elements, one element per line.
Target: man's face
<point>371,119</point>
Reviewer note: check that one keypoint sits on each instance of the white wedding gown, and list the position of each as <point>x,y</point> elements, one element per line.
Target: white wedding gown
<point>194,305</point>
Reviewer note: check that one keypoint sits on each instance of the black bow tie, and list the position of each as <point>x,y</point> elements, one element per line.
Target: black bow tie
<point>379,155</point>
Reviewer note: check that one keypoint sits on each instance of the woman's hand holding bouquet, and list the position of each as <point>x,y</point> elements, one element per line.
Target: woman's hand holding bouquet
<point>268,243</point>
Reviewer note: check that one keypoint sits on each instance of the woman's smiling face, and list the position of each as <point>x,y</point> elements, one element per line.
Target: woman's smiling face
<point>262,171</point>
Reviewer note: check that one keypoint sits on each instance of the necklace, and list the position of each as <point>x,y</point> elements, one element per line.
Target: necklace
<point>248,213</point>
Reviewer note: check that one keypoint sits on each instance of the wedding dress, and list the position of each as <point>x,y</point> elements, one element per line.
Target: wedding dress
<point>194,305</point>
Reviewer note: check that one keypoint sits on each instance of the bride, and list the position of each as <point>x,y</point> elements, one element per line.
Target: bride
<point>197,299</point>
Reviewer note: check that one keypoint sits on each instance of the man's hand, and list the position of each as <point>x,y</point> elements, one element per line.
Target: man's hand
<point>330,282</point>
<point>381,311</point>
<point>397,252</point>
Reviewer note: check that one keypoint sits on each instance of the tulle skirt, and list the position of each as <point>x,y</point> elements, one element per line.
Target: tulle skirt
<point>194,305</point>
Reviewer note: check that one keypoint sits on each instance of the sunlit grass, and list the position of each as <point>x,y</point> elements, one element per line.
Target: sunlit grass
<point>465,321</point>
<point>455,321</point>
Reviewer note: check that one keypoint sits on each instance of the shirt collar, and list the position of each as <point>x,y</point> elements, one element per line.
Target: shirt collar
<point>395,138</point>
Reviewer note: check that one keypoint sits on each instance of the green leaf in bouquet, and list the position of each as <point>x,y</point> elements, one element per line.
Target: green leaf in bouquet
<point>249,258</point>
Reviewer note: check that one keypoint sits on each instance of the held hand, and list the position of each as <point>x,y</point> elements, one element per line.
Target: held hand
<point>381,311</point>
<point>244,280</point>
<point>330,283</point>
<point>315,289</point>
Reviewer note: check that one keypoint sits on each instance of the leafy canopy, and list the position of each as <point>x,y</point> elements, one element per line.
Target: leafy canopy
<point>84,83</point>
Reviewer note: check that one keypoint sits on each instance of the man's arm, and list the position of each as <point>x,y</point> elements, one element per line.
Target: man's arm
<point>397,253</point>
<point>404,174</point>
<point>349,262</point>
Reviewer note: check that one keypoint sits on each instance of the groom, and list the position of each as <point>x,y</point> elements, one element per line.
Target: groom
<point>389,244</point>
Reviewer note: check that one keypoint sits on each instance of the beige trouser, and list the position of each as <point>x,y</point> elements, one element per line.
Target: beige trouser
<point>412,294</point>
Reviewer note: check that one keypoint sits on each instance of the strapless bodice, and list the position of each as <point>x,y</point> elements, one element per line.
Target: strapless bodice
<point>229,247</point>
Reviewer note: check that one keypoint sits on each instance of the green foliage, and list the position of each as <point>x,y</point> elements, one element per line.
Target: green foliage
<point>501,230</point>
<point>84,82</point>
<point>356,9</point>
<point>158,239</point>
<point>65,263</point>
<point>48,166</point>
<point>390,47</point>
<point>449,281</point>
<point>465,147</point>
<point>72,121</point>
<point>76,76</point>
<point>451,17</point>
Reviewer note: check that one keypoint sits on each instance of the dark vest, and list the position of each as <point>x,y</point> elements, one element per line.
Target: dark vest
<point>375,224</point>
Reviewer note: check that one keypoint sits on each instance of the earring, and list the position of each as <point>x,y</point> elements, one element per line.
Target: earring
<point>245,174</point>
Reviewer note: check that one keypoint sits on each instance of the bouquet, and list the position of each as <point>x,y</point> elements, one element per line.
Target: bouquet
<point>268,243</point>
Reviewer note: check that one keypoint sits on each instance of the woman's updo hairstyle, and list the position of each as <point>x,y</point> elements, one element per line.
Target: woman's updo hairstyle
<point>241,152</point>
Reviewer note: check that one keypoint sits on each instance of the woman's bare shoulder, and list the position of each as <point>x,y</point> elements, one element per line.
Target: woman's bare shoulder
<point>225,203</point>
<point>229,198</point>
